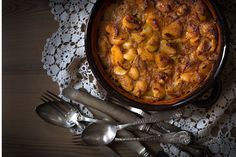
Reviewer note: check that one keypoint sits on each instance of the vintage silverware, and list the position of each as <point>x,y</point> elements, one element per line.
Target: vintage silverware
<point>141,151</point>
<point>103,133</point>
<point>60,113</point>
<point>136,146</point>
<point>51,112</point>
<point>54,109</point>
<point>192,149</point>
<point>59,108</point>
<point>54,114</point>
<point>117,112</point>
<point>138,111</point>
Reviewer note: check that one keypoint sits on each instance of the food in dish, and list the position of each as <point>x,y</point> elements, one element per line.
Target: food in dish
<point>158,49</point>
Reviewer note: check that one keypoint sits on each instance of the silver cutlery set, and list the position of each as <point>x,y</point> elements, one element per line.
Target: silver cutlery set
<point>116,123</point>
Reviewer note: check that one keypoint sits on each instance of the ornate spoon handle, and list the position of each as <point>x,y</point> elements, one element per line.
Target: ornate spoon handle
<point>181,137</point>
<point>136,146</point>
<point>154,118</point>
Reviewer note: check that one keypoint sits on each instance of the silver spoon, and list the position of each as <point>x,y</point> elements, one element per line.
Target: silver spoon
<point>54,114</point>
<point>104,133</point>
<point>60,113</point>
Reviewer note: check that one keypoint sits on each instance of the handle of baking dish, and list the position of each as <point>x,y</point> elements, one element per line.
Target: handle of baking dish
<point>214,95</point>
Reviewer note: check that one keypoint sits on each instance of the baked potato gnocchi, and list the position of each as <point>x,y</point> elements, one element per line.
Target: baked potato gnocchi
<point>158,49</point>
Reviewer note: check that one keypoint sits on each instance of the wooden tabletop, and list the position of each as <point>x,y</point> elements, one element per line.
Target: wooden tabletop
<point>26,26</point>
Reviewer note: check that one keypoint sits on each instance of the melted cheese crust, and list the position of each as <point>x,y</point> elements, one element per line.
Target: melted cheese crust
<point>158,50</point>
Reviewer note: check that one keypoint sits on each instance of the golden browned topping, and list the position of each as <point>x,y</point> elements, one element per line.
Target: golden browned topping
<point>158,49</point>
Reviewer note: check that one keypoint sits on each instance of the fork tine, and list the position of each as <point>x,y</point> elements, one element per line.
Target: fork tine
<point>56,104</point>
<point>54,95</point>
<point>60,100</point>
<point>64,105</point>
<point>42,99</point>
<point>46,98</point>
<point>75,136</point>
<point>79,144</point>
<point>76,139</point>
<point>50,96</point>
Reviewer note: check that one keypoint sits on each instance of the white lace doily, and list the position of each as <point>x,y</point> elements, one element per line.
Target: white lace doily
<point>65,61</point>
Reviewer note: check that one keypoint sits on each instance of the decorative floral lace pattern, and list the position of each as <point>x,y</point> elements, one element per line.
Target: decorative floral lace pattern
<point>64,53</point>
<point>65,61</point>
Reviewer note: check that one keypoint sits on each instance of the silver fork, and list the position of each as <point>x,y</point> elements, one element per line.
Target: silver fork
<point>54,105</point>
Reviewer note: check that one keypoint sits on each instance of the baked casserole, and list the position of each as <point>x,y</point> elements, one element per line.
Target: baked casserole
<point>158,50</point>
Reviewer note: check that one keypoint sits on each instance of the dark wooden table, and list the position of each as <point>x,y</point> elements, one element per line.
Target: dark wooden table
<point>26,26</point>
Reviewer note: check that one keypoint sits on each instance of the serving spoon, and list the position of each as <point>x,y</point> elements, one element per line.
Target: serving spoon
<point>104,133</point>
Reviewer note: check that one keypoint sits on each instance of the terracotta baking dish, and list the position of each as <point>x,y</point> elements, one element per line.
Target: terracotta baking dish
<point>105,80</point>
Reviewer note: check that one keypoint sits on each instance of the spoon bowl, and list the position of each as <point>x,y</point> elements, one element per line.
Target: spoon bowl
<point>58,112</point>
<point>51,113</point>
<point>101,134</point>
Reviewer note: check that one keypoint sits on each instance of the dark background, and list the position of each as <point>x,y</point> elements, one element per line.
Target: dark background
<point>26,26</point>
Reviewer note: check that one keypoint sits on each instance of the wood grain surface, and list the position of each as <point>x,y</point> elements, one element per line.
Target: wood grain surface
<point>26,26</point>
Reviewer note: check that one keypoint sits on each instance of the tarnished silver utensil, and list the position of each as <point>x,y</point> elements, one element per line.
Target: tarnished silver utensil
<point>54,106</point>
<point>63,114</point>
<point>54,114</point>
<point>118,112</point>
<point>136,146</point>
<point>54,109</point>
<point>191,149</point>
<point>103,133</point>
<point>113,110</point>
<point>60,113</point>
